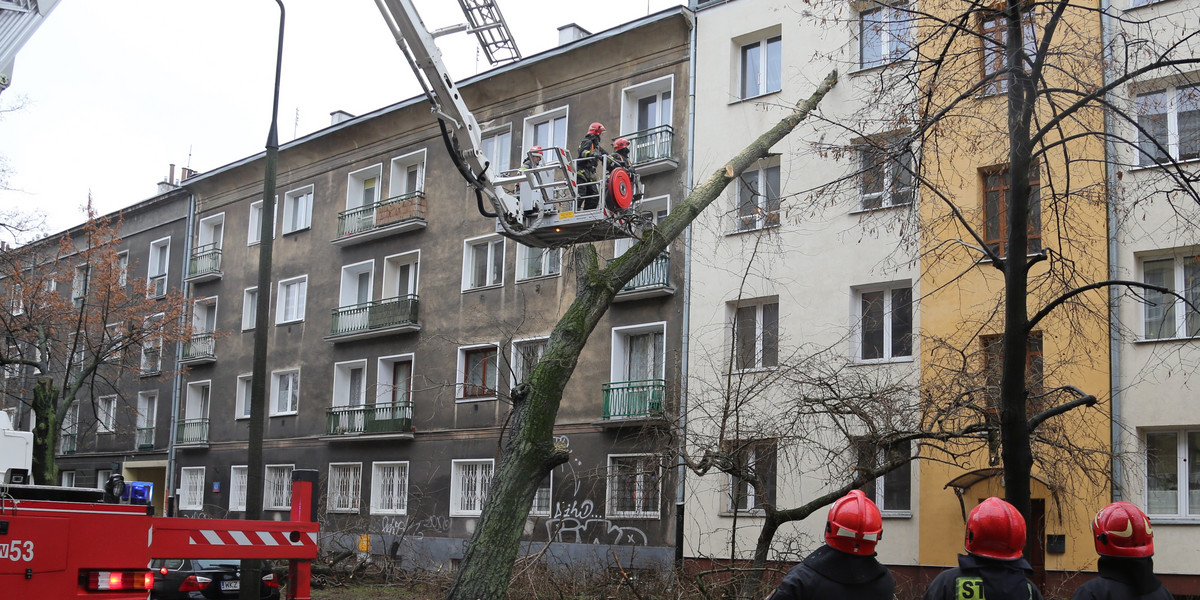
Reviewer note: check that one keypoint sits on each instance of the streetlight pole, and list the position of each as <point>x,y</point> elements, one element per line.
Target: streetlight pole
<point>252,569</point>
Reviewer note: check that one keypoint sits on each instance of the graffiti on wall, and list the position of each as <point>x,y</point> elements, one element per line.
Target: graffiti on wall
<point>577,522</point>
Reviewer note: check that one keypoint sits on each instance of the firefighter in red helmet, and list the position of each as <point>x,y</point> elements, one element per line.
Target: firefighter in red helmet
<point>533,158</point>
<point>590,151</point>
<point>993,567</point>
<point>1125,542</point>
<point>845,567</point>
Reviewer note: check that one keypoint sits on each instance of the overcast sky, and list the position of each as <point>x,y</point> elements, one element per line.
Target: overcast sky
<point>116,92</point>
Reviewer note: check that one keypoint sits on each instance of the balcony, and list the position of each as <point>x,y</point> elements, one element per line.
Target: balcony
<point>200,350</point>
<point>374,319</point>
<point>145,438</point>
<point>633,401</point>
<point>653,281</point>
<point>385,420</point>
<point>392,216</point>
<point>205,264</point>
<point>192,432</point>
<point>66,443</point>
<point>652,150</point>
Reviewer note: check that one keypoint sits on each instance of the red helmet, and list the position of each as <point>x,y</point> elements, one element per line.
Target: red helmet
<point>1122,529</point>
<point>596,128</point>
<point>620,144</point>
<point>995,529</point>
<point>535,150</point>
<point>854,524</point>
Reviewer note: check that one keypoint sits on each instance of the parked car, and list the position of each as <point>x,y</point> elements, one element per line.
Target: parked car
<point>197,579</point>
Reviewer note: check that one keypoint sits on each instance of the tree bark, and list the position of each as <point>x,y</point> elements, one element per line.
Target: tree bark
<point>528,454</point>
<point>45,432</point>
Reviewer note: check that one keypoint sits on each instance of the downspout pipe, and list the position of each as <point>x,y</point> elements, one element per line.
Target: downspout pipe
<point>684,346</point>
<point>1114,296</point>
<point>177,380</point>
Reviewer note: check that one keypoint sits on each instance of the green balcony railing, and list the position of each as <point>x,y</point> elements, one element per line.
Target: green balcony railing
<point>205,259</point>
<point>192,431</point>
<point>67,442</point>
<point>369,418</point>
<point>202,345</point>
<point>633,399</point>
<point>397,209</point>
<point>376,314</point>
<point>651,144</point>
<point>145,438</point>
<point>657,274</point>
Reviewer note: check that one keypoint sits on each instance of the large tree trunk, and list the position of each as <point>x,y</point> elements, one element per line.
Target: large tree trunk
<point>529,454</point>
<point>45,432</point>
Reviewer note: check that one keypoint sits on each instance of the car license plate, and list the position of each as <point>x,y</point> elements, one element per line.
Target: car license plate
<point>229,586</point>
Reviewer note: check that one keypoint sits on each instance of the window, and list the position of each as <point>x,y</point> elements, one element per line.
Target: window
<point>237,488</point>
<point>548,130</point>
<point>363,189</point>
<point>106,414</point>
<point>345,486</point>
<point>70,430</point>
<point>356,289</point>
<point>754,460</point>
<point>254,233</point>
<point>884,35</point>
<point>122,268</point>
<point>892,492</point>
<point>249,308</point>
<point>633,486</point>
<point>887,176</point>
<point>408,174</point>
<point>542,497</point>
<point>285,392</point>
<point>538,262</point>
<point>102,476</point>
<point>15,302</point>
<point>525,355</point>
<point>1173,473</point>
<point>477,371</point>
<point>646,116</point>
<point>638,352</point>
<point>483,262</point>
<point>243,396</point>
<point>885,320</point>
<point>191,488</point>
<point>204,316</point>
<point>196,405</point>
<point>291,298</point>
<point>1166,316</point>
<point>210,233</point>
<point>497,149</point>
<point>67,478</point>
<point>297,210</point>
<point>993,346</point>
<point>151,362</point>
<point>761,67</point>
<point>1169,121</point>
<point>756,335</point>
<point>79,283</point>
<point>758,199</point>
<point>994,35</point>
<point>349,383</point>
<point>389,488</point>
<point>400,275</point>
<point>995,210</point>
<point>160,260</point>
<point>394,384</point>
<point>277,487</point>
<point>469,484</point>
<point>147,407</point>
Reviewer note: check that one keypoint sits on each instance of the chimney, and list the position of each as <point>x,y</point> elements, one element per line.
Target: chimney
<point>339,116</point>
<point>186,173</point>
<point>570,33</point>
<point>168,184</point>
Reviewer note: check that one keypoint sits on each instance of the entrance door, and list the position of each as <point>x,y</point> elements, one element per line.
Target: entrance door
<point>1035,542</point>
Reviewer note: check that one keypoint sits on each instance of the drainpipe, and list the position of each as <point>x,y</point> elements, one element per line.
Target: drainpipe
<point>1114,341</point>
<point>177,380</point>
<point>687,298</point>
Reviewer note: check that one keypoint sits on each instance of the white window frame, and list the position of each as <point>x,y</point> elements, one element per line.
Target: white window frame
<point>499,155</point>
<point>1177,308</point>
<point>241,406</point>
<point>238,486</point>
<point>517,367</point>
<point>356,184</point>
<point>249,308</point>
<point>1187,502</point>
<point>271,479</point>
<point>894,36</point>
<point>297,206</point>
<point>384,374</point>
<point>457,484</point>
<point>152,344</point>
<point>733,484</point>
<point>891,166</point>
<point>391,268</point>
<point>80,282</point>
<point>122,269</point>
<point>106,414</point>
<point>102,476</point>
<point>632,95</point>
<point>254,230</point>
<point>191,488</point>
<point>548,261</point>
<point>201,304</point>
<point>282,315</point>
<point>763,217</point>
<point>548,492</point>
<point>762,78</point>
<point>760,334</point>
<point>342,392</point>
<point>66,478</point>
<point>205,229</point>
<point>611,491</point>
<point>164,272</point>
<point>400,505</point>
<point>619,366</point>
<point>531,123</point>
<point>276,378</point>
<point>348,289</point>
<point>858,321</point>
<point>881,489</point>
<point>493,278</point>
<point>461,387</point>
<point>344,491</point>
<point>202,403</point>
<point>147,414</point>
<point>398,181</point>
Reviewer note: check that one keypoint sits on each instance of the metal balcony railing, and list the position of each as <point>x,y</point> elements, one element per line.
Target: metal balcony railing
<point>192,431</point>
<point>376,314</point>
<point>633,399</point>
<point>145,438</point>
<point>389,211</point>
<point>66,443</point>
<point>657,274</point>
<point>369,418</point>
<point>205,259</point>
<point>651,144</point>
<point>202,345</point>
